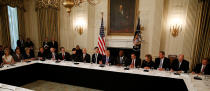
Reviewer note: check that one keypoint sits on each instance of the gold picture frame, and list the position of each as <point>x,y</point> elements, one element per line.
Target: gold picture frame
<point>110,33</point>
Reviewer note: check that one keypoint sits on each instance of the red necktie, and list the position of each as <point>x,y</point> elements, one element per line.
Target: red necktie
<point>63,56</point>
<point>203,69</point>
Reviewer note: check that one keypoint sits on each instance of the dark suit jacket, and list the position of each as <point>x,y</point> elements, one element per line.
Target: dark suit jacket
<point>28,44</point>
<point>147,64</point>
<point>99,58</point>
<point>183,67</point>
<point>1,54</point>
<point>79,52</point>
<point>75,57</point>
<point>67,56</point>
<point>16,58</point>
<point>198,69</point>
<point>25,56</point>
<point>19,44</point>
<point>55,45</point>
<point>86,58</point>
<point>111,60</point>
<point>137,63</point>
<point>166,63</point>
<point>43,55</point>
<point>49,56</point>
<point>123,60</point>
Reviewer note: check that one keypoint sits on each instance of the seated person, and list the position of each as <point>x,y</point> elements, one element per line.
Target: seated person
<point>74,56</point>
<point>121,59</point>
<point>106,59</point>
<point>1,54</point>
<point>203,68</point>
<point>180,64</point>
<point>85,56</point>
<point>42,54</point>
<point>148,63</point>
<point>28,56</point>
<point>96,57</point>
<point>134,62</point>
<point>52,55</point>
<point>64,55</point>
<point>17,56</point>
<point>162,62</point>
<point>7,58</point>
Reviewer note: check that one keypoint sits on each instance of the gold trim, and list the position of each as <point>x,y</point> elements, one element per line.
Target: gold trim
<point>122,34</point>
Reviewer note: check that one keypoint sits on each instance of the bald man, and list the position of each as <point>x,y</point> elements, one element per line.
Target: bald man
<point>85,56</point>
<point>180,64</point>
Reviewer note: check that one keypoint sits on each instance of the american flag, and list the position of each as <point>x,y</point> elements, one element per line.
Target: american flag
<point>101,39</point>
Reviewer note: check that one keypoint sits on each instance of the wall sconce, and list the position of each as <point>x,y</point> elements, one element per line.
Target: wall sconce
<point>175,26</point>
<point>79,27</point>
<point>175,30</point>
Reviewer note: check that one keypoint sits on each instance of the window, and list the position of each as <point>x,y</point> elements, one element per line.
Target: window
<point>13,26</point>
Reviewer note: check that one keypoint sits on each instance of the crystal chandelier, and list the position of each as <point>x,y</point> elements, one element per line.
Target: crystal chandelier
<point>68,4</point>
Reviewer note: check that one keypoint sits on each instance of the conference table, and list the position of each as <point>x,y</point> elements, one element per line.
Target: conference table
<point>96,77</point>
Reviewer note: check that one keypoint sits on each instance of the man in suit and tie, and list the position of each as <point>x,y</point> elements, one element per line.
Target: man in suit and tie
<point>46,45</point>
<point>85,56</point>
<point>64,55</point>
<point>203,68</point>
<point>17,55</point>
<point>162,62</point>
<point>134,62</point>
<point>52,55</point>
<point>180,64</point>
<point>54,44</point>
<point>121,59</point>
<point>107,59</point>
<point>96,57</point>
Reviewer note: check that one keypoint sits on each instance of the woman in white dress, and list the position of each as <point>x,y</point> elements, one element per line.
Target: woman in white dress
<point>7,58</point>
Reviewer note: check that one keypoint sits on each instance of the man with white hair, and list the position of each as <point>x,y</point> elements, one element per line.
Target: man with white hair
<point>180,64</point>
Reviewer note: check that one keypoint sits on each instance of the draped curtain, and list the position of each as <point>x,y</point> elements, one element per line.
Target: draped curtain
<point>5,33</point>
<point>202,42</point>
<point>48,20</point>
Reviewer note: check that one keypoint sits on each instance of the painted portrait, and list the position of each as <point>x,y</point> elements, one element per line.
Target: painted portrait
<point>122,17</point>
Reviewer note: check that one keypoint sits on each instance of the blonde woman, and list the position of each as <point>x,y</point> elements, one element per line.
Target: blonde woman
<point>28,56</point>
<point>7,58</point>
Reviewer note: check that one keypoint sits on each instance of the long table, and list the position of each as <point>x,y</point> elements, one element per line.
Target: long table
<point>103,78</point>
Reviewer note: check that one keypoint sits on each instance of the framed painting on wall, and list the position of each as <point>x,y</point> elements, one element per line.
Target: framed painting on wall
<point>122,17</point>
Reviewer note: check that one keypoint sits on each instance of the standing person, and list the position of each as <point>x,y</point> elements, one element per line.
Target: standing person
<point>85,56</point>
<point>29,43</point>
<point>46,45</point>
<point>121,59</point>
<point>54,44</point>
<point>17,56</point>
<point>162,63</point>
<point>7,57</point>
<point>79,51</point>
<point>96,57</point>
<point>148,63</point>
<point>21,44</point>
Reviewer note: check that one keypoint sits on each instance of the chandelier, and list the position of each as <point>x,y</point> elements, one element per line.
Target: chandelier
<point>68,4</point>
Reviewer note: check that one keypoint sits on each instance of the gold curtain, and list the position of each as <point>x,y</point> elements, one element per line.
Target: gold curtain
<point>21,23</point>
<point>202,42</point>
<point>5,33</point>
<point>48,20</point>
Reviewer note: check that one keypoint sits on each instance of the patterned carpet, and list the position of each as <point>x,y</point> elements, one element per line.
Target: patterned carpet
<point>41,85</point>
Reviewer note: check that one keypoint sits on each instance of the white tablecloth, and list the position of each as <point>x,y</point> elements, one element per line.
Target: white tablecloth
<point>5,87</point>
<point>192,84</point>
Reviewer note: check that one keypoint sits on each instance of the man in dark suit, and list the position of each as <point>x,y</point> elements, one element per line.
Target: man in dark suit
<point>180,64</point>
<point>64,55</point>
<point>21,45</point>
<point>17,55</point>
<point>121,59</point>
<point>203,68</point>
<point>52,55</point>
<point>46,45</point>
<point>107,59</point>
<point>96,57</point>
<point>85,56</point>
<point>54,44</point>
<point>79,51</point>
<point>162,62</point>
<point>29,43</point>
<point>134,62</point>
